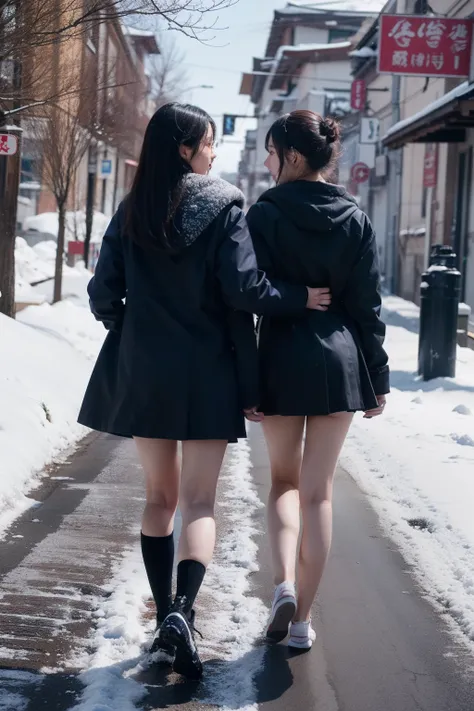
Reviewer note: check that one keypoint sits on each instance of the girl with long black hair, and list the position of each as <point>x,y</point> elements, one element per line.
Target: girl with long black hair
<point>175,273</point>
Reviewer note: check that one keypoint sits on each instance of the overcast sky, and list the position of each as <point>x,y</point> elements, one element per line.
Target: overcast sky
<point>221,65</point>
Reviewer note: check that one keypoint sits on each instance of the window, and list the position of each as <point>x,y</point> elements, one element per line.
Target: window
<point>421,7</point>
<point>339,35</point>
<point>91,26</point>
<point>424,202</point>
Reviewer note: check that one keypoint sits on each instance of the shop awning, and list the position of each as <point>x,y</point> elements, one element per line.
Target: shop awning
<point>443,121</point>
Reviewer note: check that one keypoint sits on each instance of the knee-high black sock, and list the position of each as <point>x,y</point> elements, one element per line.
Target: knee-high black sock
<point>158,556</point>
<point>190,576</point>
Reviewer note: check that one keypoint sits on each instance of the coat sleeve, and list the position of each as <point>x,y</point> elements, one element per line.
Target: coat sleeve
<point>362,300</point>
<point>243,285</point>
<point>107,288</point>
<point>257,220</point>
<point>244,341</point>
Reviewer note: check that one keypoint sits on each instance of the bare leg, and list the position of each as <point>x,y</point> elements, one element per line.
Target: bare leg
<point>159,459</point>
<point>202,461</point>
<point>284,436</point>
<point>324,440</point>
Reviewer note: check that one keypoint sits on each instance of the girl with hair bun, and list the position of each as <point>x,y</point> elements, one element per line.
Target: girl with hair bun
<point>316,368</point>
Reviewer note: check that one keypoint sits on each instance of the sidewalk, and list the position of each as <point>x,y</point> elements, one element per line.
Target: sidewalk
<point>417,464</point>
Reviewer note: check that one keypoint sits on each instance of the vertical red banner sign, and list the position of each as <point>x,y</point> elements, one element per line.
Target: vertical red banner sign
<point>358,95</point>
<point>426,46</point>
<point>430,169</point>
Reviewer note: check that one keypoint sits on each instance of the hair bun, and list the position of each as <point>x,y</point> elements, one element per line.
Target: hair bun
<point>329,128</point>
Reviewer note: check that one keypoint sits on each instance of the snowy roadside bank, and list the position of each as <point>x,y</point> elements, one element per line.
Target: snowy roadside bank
<point>46,356</point>
<point>417,464</point>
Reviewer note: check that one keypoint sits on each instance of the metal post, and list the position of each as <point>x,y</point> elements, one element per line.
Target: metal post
<point>440,292</point>
<point>428,229</point>
<point>91,182</point>
<point>394,197</point>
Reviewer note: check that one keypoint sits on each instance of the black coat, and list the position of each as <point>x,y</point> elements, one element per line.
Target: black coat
<point>179,361</point>
<point>317,363</point>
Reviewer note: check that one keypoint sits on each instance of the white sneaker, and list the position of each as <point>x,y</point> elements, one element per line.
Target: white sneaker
<point>283,611</point>
<point>302,635</point>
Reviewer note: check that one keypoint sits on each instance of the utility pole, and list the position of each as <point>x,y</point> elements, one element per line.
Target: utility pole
<point>10,169</point>
<point>395,189</point>
<point>395,196</point>
<point>9,184</point>
<point>90,198</point>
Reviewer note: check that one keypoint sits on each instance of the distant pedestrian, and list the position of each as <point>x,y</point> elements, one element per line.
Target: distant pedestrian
<point>316,369</point>
<point>180,361</point>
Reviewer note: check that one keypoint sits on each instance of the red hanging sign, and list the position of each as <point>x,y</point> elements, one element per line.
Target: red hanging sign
<point>358,95</point>
<point>426,46</point>
<point>430,169</point>
<point>360,173</point>
<point>8,144</point>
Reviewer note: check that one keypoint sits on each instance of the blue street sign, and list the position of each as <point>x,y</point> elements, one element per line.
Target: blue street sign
<point>229,125</point>
<point>106,167</point>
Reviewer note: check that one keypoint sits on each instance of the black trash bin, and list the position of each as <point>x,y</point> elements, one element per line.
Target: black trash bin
<point>440,294</point>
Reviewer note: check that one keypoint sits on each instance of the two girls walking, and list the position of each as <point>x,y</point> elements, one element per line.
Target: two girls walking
<point>176,285</point>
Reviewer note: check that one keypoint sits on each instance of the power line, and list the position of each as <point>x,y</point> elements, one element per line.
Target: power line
<point>265,74</point>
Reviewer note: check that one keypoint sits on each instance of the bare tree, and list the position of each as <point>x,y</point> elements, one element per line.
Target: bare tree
<point>167,74</point>
<point>32,25</point>
<point>62,143</point>
<point>32,34</point>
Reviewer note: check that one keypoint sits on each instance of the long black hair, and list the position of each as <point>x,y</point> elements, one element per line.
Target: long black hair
<point>155,193</point>
<point>308,133</point>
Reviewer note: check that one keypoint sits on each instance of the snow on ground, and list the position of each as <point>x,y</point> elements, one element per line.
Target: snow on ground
<point>33,264</point>
<point>417,462</point>
<point>47,222</point>
<point>46,357</point>
<point>228,616</point>
<point>118,641</point>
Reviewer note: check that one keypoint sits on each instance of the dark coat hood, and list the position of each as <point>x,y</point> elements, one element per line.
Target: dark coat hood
<point>203,199</point>
<point>312,206</point>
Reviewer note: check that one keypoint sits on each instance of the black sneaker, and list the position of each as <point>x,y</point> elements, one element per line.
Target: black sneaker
<point>177,631</point>
<point>159,651</point>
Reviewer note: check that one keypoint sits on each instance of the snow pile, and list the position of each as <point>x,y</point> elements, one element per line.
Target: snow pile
<point>417,461</point>
<point>46,357</point>
<point>34,264</point>
<point>238,618</point>
<point>48,223</point>
<point>118,641</point>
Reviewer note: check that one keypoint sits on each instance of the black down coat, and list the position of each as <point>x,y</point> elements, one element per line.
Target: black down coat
<point>316,363</point>
<point>180,361</point>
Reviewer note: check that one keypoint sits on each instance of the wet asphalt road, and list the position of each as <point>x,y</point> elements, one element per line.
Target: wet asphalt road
<point>381,645</point>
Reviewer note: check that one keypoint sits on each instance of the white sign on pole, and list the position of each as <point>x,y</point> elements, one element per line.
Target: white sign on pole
<point>8,144</point>
<point>367,154</point>
<point>369,130</point>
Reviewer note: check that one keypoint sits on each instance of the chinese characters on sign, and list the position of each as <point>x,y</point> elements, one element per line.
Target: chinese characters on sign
<point>8,144</point>
<point>425,46</point>
<point>358,95</point>
<point>430,171</point>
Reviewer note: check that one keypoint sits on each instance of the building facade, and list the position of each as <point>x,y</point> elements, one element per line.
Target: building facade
<point>306,66</point>
<point>101,75</point>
